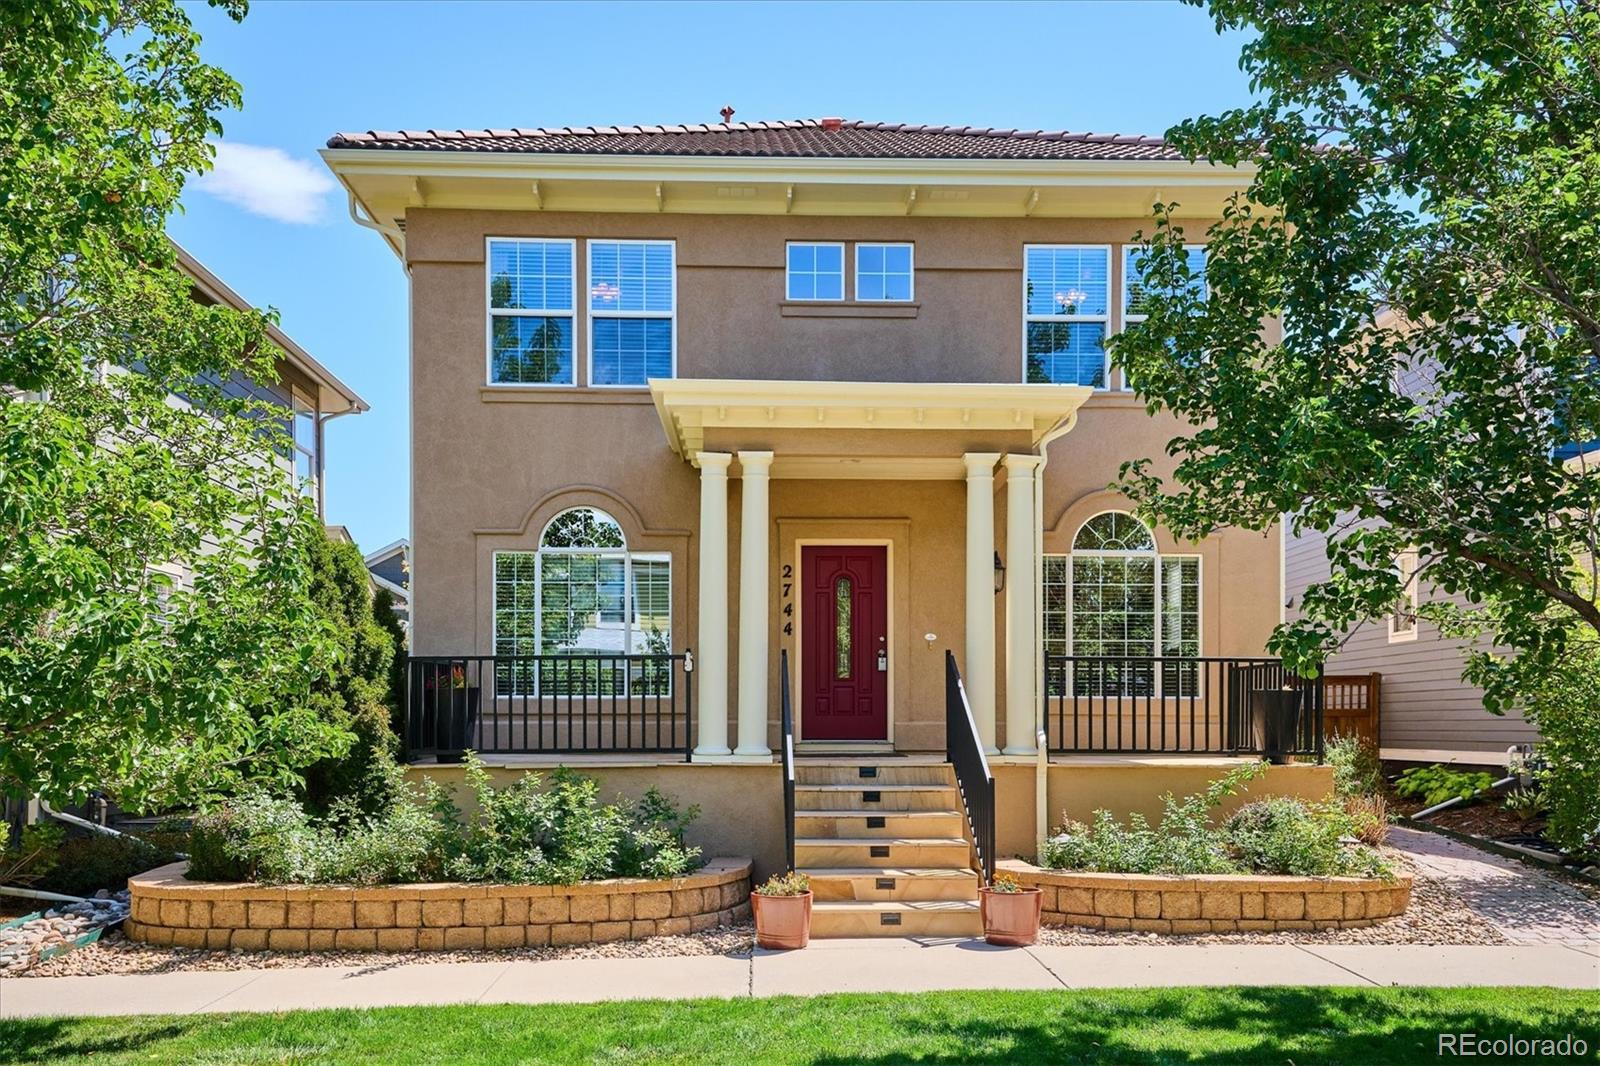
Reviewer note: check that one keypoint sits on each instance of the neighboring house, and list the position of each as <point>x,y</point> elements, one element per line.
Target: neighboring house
<point>307,392</point>
<point>390,567</point>
<point>689,402</point>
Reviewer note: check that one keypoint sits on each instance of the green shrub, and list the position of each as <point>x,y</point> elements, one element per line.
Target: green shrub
<point>86,864</point>
<point>1285,835</point>
<point>528,832</point>
<point>1356,769</point>
<point>1275,836</point>
<point>1435,784</point>
<point>1565,705</point>
<point>34,856</point>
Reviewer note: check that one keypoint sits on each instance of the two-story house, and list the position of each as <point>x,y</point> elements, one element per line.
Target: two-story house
<point>693,404</point>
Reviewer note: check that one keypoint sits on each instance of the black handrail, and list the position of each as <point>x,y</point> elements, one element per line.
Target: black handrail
<point>1176,704</point>
<point>964,750</point>
<point>788,754</point>
<point>548,704</point>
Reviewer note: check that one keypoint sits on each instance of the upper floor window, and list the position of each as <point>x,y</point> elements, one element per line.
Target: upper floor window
<point>1403,620</point>
<point>883,272</point>
<point>1136,293</point>
<point>531,299</point>
<point>1066,313</point>
<point>303,432</point>
<point>633,300</point>
<point>815,271</point>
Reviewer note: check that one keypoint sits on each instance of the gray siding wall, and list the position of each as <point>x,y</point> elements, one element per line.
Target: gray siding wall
<point>1425,702</point>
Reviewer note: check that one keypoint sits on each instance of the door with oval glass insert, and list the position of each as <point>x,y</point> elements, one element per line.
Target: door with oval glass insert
<point>844,650</point>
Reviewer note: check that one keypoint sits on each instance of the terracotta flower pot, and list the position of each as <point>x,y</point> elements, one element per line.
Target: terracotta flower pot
<point>782,922</point>
<point>1010,918</point>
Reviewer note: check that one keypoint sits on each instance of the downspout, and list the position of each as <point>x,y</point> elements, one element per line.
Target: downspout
<point>83,823</point>
<point>322,461</point>
<point>372,224</point>
<point>1041,783</point>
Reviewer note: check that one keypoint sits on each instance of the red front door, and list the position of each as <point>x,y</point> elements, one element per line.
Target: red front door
<point>844,670</point>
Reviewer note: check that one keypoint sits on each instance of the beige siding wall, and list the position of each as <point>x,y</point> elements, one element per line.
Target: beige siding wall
<point>1425,703</point>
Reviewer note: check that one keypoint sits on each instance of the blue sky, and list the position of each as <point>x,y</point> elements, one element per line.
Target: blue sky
<point>273,227</point>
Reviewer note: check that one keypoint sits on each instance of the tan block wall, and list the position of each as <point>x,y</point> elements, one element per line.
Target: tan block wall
<point>169,909</point>
<point>1080,785</point>
<point>1211,903</point>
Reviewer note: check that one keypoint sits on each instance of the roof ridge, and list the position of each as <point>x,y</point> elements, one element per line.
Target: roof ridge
<point>422,136</point>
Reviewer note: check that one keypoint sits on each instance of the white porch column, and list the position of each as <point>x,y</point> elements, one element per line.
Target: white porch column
<point>754,596</point>
<point>1022,603</point>
<point>711,657</point>
<point>978,671</point>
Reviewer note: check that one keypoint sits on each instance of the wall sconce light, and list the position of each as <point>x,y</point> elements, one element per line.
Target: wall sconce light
<point>999,574</point>
<point>930,638</point>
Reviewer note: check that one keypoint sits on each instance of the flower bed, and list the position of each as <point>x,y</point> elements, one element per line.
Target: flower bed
<point>168,908</point>
<point>1210,903</point>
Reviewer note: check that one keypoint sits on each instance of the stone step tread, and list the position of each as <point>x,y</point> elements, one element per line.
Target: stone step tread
<point>878,906</point>
<point>857,812</point>
<point>877,842</point>
<point>843,872</point>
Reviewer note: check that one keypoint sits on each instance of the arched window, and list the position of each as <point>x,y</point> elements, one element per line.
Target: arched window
<point>1117,606</point>
<point>583,594</point>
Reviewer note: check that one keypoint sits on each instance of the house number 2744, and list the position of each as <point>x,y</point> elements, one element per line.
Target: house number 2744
<point>788,599</point>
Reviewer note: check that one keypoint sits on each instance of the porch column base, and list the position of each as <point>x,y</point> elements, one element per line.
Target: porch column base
<point>711,758</point>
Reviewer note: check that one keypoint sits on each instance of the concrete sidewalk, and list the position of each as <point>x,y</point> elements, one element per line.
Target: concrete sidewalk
<point>827,966</point>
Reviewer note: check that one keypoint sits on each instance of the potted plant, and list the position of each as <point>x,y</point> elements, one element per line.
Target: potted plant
<point>782,909</point>
<point>1010,911</point>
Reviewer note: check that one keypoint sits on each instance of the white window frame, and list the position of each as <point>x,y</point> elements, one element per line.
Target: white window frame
<point>491,312</point>
<point>1407,563</point>
<point>1105,319</point>
<point>1124,318</point>
<point>629,605</point>
<point>844,273</point>
<point>911,250</point>
<point>310,485</point>
<point>590,314</point>
<point>1159,557</point>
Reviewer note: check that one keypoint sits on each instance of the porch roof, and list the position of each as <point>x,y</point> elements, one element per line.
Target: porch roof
<point>690,406</point>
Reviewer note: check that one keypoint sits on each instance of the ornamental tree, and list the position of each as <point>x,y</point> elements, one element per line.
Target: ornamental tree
<point>156,636</point>
<point>1421,218</point>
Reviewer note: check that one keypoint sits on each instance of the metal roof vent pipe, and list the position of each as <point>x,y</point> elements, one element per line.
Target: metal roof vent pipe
<point>727,114</point>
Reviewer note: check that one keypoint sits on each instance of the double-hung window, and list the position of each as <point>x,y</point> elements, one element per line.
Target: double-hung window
<point>303,431</point>
<point>633,301</point>
<point>814,271</point>
<point>531,299</point>
<point>1403,619</point>
<point>1135,293</point>
<point>884,273</point>
<point>1066,300</point>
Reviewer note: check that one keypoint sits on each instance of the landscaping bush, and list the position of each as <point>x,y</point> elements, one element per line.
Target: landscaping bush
<point>1285,835</point>
<point>1356,769</point>
<point>86,864</point>
<point>1565,706</point>
<point>1279,835</point>
<point>525,833</point>
<point>1435,784</point>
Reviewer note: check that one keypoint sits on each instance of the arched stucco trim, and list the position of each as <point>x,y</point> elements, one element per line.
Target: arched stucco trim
<point>568,497</point>
<point>1058,535</point>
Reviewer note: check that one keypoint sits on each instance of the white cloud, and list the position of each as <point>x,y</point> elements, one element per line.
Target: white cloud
<point>268,182</point>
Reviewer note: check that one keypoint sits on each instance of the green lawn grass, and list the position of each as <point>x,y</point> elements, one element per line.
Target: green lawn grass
<point>1199,1025</point>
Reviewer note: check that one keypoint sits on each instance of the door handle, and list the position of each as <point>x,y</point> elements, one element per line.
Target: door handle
<point>883,661</point>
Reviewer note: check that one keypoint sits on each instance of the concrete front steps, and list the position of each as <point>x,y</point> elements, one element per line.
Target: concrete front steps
<point>887,850</point>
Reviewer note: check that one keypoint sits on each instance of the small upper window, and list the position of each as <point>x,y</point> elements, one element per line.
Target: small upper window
<point>883,272</point>
<point>815,272</point>
<point>1134,291</point>
<point>1403,620</point>
<point>531,301</point>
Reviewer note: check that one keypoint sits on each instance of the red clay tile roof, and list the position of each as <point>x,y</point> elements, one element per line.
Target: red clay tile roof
<point>852,139</point>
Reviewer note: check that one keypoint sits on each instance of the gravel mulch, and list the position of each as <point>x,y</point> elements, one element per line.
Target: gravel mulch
<point>1437,915</point>
<point>116,954</point>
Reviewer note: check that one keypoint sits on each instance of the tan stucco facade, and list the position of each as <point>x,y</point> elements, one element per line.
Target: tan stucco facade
<point>492,464</point>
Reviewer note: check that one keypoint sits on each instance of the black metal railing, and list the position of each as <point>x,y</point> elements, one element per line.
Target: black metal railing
<point>964,750</point>
<point>787,722</point>
<point>548,704</point>
<point>1177,704</point>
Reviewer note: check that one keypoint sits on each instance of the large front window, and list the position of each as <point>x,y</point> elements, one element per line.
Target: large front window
<point>633,298</point>
<point>1066,313</point>
<point>1126,613</point>
<point>582,595</point>
<point>531,301</point>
